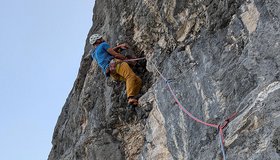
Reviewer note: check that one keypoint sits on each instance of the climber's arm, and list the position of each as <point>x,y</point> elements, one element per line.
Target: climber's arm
<point>116,54</point>
<point>122,46</point>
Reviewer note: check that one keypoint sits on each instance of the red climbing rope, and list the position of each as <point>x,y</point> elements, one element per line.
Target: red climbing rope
<point>224,125</point>
<point>218,127</point>
<point>134,59</point>
<point>187,112</point>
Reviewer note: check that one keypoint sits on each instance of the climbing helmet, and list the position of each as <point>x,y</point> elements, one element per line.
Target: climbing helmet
<point>93,38</point>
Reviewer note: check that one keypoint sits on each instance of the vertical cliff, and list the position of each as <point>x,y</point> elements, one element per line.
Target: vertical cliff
<point>222,57</point>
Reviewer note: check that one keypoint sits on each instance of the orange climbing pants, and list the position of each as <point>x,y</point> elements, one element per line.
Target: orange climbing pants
<point>125,73</point>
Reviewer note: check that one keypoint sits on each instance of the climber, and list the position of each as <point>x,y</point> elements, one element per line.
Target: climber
<point>112,65</point>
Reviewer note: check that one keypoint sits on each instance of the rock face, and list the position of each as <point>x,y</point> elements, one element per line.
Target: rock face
<point>222,57</point>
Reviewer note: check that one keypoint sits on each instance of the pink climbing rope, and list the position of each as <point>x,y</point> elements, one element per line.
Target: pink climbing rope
<point>187,112</point>
<point>180,105</point>
<point>218,127</point>
<point>134,59</point>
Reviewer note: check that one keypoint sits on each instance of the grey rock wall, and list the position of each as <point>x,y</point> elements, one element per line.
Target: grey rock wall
<point>222,57</point>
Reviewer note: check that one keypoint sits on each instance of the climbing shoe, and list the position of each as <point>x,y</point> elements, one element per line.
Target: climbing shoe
<point>132,101</point>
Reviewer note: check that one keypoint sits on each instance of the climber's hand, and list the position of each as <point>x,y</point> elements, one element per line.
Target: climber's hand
<point>123,46</point>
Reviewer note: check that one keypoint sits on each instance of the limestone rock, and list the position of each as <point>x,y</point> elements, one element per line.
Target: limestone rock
<point>222,57</point>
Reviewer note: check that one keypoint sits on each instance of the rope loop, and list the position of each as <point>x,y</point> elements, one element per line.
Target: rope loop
<point>219,127</point>
<point>226,121</point>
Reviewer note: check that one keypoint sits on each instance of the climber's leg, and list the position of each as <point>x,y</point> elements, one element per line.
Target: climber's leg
<point>133,82</point>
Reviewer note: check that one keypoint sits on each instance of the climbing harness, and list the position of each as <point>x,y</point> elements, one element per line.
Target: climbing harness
<point>218,127</point>
<point>113,65</point>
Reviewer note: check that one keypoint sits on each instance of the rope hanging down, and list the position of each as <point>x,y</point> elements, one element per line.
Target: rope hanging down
<point>218,127</point>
